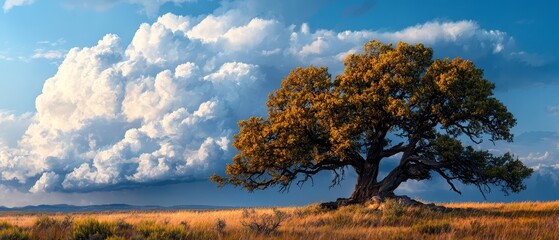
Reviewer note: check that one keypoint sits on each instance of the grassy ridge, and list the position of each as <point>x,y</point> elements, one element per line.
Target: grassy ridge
<point>527,220</point>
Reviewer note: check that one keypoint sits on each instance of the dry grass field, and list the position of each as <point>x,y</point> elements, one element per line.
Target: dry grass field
<point>526,220</point>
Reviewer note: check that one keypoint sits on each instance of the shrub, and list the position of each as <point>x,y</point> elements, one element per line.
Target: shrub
<point>263,224</point>
<point>13,233</point>
<point>433,227</point>
<point>123,229</point>
<point>151,230</point>
<point>171,233</point>
<point>5,225</point>
<point>185,225</point>
<point>44,222</point>
<point>90,229</point>
<point>392,211</point>
<point>220,226</point>
<point>145,228</point>
<point>51,228</point>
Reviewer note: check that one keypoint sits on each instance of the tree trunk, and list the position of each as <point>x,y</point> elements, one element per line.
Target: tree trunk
<point>368,188</point>
<point>366,185</point>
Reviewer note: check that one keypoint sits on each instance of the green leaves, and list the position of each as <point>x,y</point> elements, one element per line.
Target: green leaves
<point>453,161</point>
<point>506,172</point>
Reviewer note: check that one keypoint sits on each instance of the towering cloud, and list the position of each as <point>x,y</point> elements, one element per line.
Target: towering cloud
<point>164,107</point>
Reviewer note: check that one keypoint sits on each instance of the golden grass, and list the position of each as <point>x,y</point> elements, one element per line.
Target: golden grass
<point>524,220</point>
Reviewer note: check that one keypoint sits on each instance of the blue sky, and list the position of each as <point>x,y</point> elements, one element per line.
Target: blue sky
<point>136,101</point>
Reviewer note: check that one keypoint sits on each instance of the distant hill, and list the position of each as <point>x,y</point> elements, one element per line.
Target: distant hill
<point>105,207</point>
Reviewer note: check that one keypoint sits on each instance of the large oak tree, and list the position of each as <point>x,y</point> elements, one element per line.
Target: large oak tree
<point>389,104</point>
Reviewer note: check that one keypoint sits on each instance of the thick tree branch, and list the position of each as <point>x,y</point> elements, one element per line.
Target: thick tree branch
<point>354,159</point>
<point>375,143</point>
<point>393,150</point>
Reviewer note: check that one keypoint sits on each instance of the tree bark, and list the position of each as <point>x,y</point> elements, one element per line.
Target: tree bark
<point>366,183</point>
<point>367,186</point>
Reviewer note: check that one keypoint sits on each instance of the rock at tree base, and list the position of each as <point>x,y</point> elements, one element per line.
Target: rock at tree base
<point>400,200</point>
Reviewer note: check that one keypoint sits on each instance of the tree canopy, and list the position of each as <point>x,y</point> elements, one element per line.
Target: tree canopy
<point>389,104</point>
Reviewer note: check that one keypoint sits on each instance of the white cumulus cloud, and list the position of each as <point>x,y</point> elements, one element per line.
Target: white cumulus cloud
<point>9,4</point>
<point>48,54</point>
<point>12,126</point>
<point>46,183</point>
<point>536,157</point>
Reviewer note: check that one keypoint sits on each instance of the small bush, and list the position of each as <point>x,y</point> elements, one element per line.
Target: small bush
<point>146,228</point>
<point>5,225</point>
<point>44,222</point>
<point>392,207</point>
<point>185,225</point>
<point>432,227</point>
<point>391,212</point>
<point>171,233</point>
<point>263,224</point>
<point>13,233</point>
<point>151,230</point>
<point>90,229</point>
<point>51,228</point>
<point>220,226</point>
<point>123,229</point>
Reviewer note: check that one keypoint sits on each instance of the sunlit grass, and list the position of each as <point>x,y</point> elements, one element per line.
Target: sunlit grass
<point>524,220</point>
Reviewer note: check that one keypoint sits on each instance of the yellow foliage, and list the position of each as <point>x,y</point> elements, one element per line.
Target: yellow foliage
<point>387,95</point>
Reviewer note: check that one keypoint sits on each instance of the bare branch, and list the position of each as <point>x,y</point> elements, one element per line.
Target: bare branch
<point>471,135</point>
<point>448,180</point>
